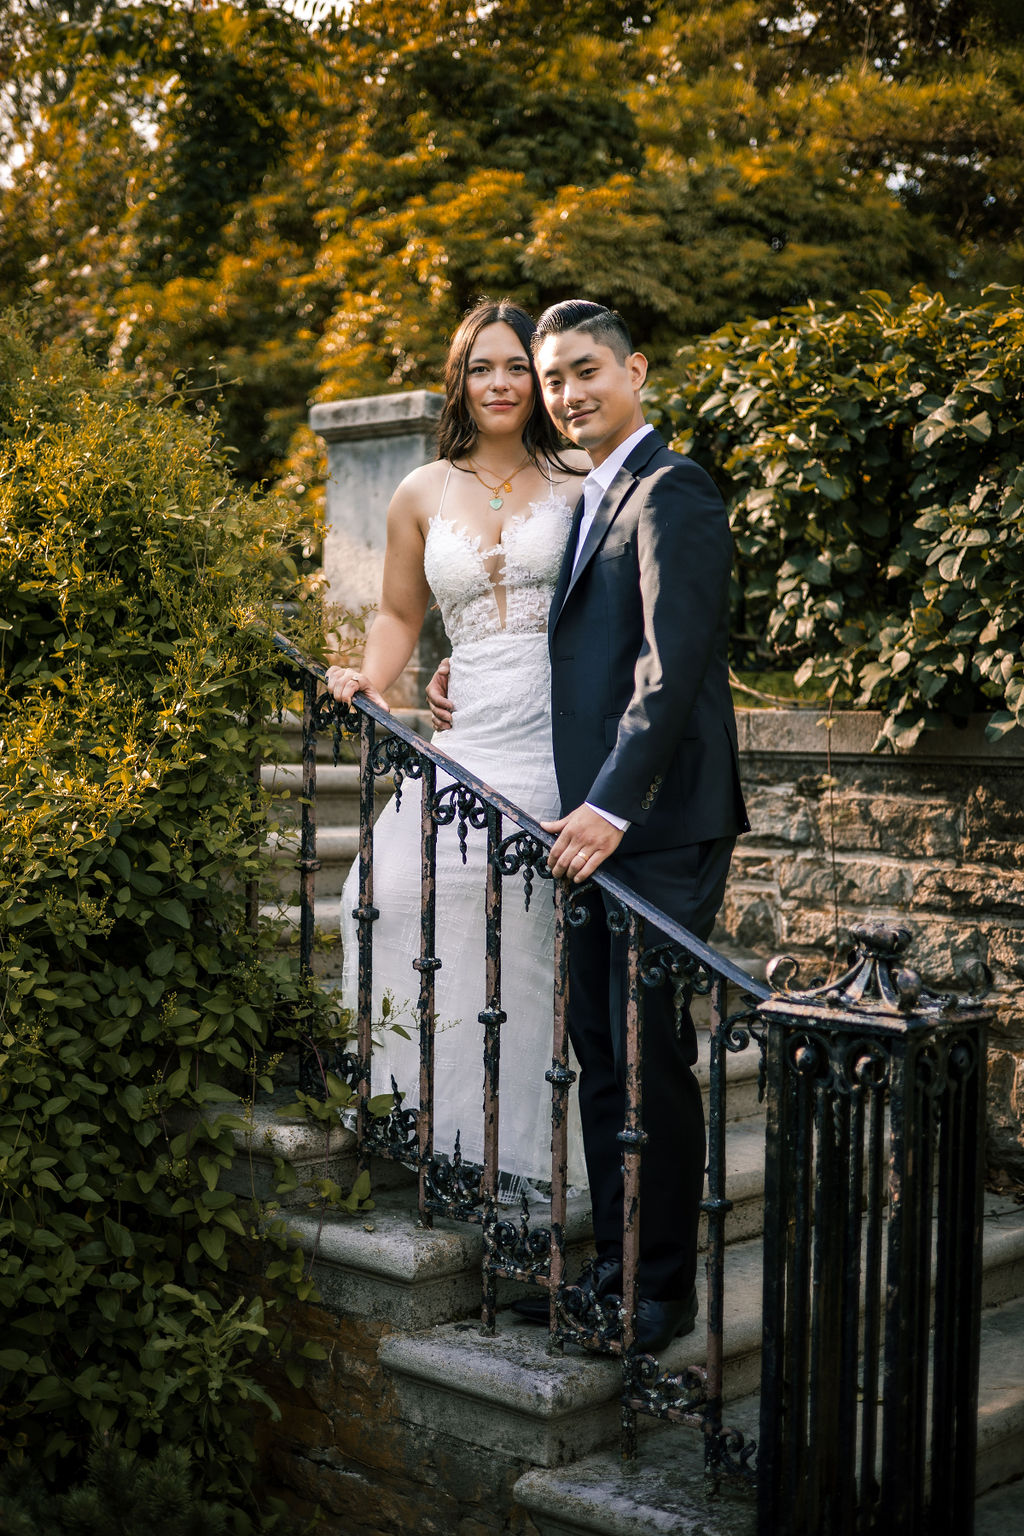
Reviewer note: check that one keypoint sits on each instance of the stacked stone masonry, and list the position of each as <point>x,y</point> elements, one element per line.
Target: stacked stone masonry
<point>931,840</point>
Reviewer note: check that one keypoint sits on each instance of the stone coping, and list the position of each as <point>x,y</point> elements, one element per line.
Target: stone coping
<point>377,416</point>
<point>803,732</point>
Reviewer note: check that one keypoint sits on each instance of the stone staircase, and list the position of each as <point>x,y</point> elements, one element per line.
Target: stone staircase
<point>458,1432</point>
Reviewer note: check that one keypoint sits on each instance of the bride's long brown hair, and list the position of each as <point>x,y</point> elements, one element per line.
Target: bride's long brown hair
<point>456,429</point>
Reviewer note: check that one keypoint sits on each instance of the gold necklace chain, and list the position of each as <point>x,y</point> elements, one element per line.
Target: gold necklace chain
<point>497,500</point>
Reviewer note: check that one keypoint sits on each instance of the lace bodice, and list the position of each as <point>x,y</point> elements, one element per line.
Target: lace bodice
<point>531,547</point>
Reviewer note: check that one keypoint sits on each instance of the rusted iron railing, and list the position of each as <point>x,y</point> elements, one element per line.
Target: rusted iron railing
<point>515,1249</point>
<point>872,1250</point>
<point>875,1116</point>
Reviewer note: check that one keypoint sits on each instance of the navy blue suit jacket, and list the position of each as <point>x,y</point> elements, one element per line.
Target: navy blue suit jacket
<point>642,716</point>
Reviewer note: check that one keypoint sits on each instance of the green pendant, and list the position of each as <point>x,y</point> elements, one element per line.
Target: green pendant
<point>497,503</point>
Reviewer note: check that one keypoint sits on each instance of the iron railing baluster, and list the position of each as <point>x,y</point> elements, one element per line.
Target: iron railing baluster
<point>561,1078</point>
<point>717,1207</point>
<point>633,1137</point>
<point>492,1018</point>
<point>428,964</point>
<point>873,1246</point>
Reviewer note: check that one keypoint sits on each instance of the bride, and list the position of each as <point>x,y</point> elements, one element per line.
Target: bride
<point>483,527</point>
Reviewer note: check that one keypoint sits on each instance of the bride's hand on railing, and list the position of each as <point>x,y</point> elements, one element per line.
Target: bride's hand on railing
<point>343,683</point>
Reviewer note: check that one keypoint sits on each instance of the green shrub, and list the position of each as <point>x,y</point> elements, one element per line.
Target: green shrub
<point>136,584</point>
<point>123,1494</point>
<point>872,462</point>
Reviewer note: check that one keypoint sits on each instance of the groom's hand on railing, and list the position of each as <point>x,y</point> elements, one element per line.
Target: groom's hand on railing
<point>441,709</point>
<point>585,839</point>
<point>345,682</point>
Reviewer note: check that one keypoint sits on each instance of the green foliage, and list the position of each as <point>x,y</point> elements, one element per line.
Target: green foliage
<point>871,459</point>
<point>123,1495</point>
<point>136,1000</point>
<point>300,202</point>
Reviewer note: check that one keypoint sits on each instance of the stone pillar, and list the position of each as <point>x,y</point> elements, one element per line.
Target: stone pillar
<point>372,444</point>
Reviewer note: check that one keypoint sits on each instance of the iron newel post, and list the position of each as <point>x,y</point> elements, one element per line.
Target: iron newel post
<point>872,1259</point>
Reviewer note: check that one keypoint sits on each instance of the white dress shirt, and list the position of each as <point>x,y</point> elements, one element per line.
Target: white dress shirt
<point>594,487</point>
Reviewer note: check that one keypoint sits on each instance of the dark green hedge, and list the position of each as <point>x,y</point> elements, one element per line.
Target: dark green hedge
<point>872,461</point>
<point>135,591</point>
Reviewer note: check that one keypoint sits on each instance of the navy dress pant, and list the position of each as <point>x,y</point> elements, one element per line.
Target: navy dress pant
<point>688,884</point>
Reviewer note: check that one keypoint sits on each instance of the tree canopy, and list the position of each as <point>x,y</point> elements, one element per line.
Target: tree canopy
<point>302,201</point>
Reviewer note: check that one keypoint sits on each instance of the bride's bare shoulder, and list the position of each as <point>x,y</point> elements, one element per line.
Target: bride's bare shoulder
<point>419,494</point>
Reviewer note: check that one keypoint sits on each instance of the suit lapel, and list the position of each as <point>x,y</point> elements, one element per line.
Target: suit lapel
<point>607,508</point>
<point>565,570</point>
<point>613,499</point>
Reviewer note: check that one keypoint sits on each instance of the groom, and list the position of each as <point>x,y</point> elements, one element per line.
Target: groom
<point>645,752</point>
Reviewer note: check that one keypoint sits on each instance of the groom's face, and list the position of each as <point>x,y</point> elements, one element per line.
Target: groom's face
<point>591,394</point>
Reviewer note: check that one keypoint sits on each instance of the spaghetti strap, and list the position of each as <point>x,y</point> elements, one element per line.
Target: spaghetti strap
<point>444,488</point>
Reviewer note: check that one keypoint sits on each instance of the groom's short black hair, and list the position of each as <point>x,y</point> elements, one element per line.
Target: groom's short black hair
<point>605,325</point>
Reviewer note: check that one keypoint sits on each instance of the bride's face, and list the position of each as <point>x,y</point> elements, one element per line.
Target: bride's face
<point>499,382</point>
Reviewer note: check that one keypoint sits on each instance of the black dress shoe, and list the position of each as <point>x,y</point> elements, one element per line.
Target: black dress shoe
<point>598,1278</point>
<point>535,1308</point>
<point>659,1322</point>
<point>601,1277</point>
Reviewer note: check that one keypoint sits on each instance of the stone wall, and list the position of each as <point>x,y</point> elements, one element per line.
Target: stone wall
<point>343,1454</point>
<point>932,840</point>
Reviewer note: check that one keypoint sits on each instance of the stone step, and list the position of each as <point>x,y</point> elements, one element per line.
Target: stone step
<point>337,792</point>
<point>663,1491</point>
<point>271,1136</point>
<point>383,1266</point>
<point>506,1394</point>
<point>1001,1510</point>
<point>336,849</point>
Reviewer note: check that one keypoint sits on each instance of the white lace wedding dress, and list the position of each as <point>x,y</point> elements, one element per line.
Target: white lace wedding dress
<point>500,686</point>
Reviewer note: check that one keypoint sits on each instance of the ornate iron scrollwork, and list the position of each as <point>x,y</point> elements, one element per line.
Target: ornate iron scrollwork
<point>617,917</point>
<point>453,1187</point>
<point>577,910</point>
<point>456,801</point>
<point>728,1453</point>
<point>394,1135</point>
<point>685,973</point>
<point>330,715</point>
<point>665,1395</point>
<point>736,1034</point>
<point>872,981</point>
<point>349,1067</point>
<point>516,1245</point>
<point>585,1319</point>
<point>523,852</point>
<point>396,757</point>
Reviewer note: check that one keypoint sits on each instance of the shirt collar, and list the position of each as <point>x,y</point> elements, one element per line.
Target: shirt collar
<point>603,474</point>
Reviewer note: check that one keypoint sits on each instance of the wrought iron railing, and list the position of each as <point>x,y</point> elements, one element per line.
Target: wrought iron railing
<point>515,1249</point>
<point>872,1250</point>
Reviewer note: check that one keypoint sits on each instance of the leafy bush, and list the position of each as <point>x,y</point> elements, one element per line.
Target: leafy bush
<point>122,1495</point>
<point>135,997</point>
<point>871,459</point>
